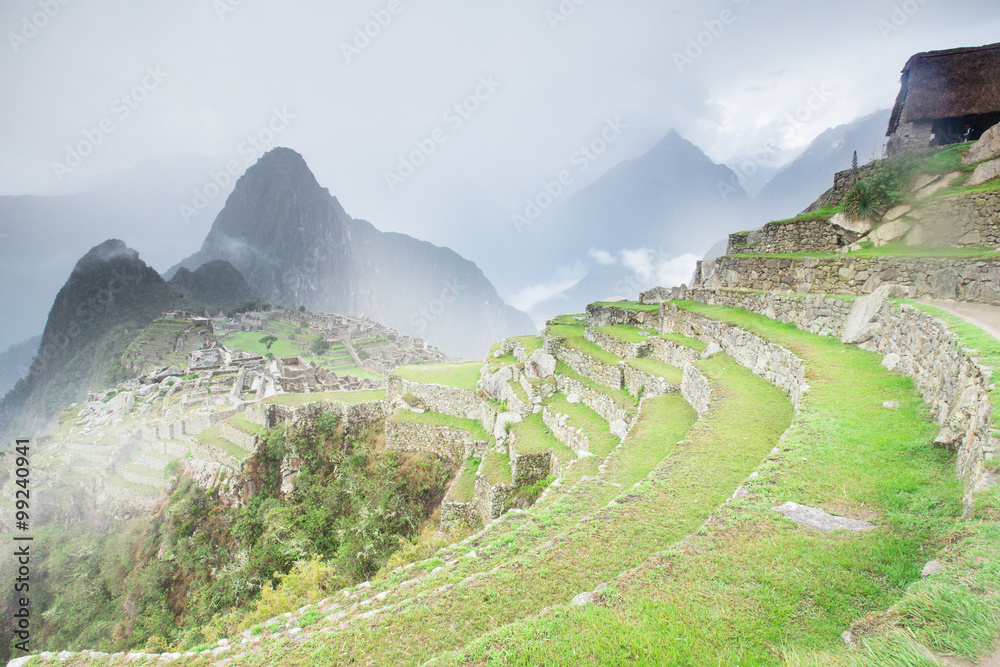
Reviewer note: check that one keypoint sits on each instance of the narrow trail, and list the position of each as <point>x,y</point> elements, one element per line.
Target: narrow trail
<point>981,315</point>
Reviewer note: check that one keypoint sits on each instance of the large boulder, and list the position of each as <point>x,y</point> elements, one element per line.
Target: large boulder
<point>890,231</point>
<point>541,365</point>
<point>861,321</point>
<point>857,226</point>
<point>987,171</point>
<point>987,147</point>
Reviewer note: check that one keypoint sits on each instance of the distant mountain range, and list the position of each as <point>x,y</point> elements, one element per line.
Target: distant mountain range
<point>644,221</point>
<point>42,237</point>
<point>800,182</point>
<point>295,245</point>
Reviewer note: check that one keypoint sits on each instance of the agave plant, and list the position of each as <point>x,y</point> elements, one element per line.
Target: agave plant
<point>862,202</point>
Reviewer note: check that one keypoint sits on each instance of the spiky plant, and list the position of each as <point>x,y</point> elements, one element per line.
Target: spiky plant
<point>862,202</point>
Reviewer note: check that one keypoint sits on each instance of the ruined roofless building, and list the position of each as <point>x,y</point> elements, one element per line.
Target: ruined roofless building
<point>942,94</point>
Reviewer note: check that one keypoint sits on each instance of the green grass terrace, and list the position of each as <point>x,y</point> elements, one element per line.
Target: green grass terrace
<point>463,375</point>
<point>470,426</point>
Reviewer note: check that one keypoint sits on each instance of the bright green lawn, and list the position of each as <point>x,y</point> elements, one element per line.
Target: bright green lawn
<point>461,375</point>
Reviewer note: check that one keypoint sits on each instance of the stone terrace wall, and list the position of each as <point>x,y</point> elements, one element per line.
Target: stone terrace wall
<point>370,412</point>
<point>603,405</point>
<point>450,401</point>
<point>672,353</point>
<point>239,438</point>
<point>491,501</point>
<point>951,382</point>
<point>804,236</point>
<point>696,389</point>
<point>964,279</point>
<point>650,385</point>
<point>574,438</point>
<point>442,441</point>
<point>452,512</point>
<point>969,220</point>
<point>842,182</point>
<point>588,367</point>
<point>767,360</point>
<point>616,346</point>
<point>609,316</point>
<point>203,422</point>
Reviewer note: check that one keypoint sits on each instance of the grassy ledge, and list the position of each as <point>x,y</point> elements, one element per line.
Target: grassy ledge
<point>470,426</point>
<point>463,375</point>
<point>346,397</point>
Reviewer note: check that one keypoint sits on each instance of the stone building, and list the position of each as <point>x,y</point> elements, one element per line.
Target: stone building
<point>944,93</point>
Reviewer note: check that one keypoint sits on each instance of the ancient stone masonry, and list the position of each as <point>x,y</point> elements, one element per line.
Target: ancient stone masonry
<point>597,401</point>
<point>968,220</point>
<point>769,361</point>
<point>639,383</point>
<point>672,353</point>
<point>963,279</point>
<point>444,442</point>
<point>617,346</point>
<point>437,398</point>
<point>294,418</point>
<point>492,500</point>
<point>951,381</point>
<point>799,236</point>
<point>696,389</point>
<point>600,316</point>
<point>574,438</point>
<point>586,365</point>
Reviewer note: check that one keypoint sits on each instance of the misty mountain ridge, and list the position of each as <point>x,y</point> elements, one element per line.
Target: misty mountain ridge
<point>295,245</point>
<point>809,175</point>
<point>641,221</point>
<point>140,204</point>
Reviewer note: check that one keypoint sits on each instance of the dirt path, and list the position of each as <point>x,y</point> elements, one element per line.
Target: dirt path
<point>983,316</point>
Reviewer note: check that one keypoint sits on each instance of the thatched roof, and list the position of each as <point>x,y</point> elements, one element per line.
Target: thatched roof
<point>946,84</point>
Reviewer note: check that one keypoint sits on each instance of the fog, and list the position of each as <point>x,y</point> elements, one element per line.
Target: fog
<point>439,119</point>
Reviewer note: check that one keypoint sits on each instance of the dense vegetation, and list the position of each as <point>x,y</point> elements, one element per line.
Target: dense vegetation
<point>199,568</point>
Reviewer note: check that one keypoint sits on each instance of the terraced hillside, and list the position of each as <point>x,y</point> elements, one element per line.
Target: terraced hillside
<point>681,483</point>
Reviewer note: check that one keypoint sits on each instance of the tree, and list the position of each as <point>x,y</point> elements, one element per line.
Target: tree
<point>320,346</point>
<point>268,340</point>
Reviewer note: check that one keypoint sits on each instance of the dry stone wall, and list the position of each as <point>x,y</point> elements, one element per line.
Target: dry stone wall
<point>600,403</point>
<point>800,236</point>
<point>637,381</point>
<point>442,441</point>
<point>446,400</point>
<point>766,360</point>
<point>951,381</point>
<point>588,367</point>
<point>609,316</point>
<point>490,501</point>
<point>574,438</point>
<point>968,220</point>
<point>696,389</point>
<point>239,438</point>
<point>963,279</point>
<point>672,353</point>
<point>617,346</point>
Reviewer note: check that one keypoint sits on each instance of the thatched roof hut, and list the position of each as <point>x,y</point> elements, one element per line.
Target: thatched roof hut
<point>942,92</point>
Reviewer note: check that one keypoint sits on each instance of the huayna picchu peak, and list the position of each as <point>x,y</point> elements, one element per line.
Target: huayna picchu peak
<point>295,245</point>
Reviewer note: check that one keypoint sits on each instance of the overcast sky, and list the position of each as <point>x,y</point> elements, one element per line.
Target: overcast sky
<point>533,80</point>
